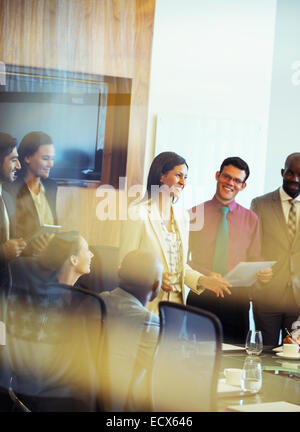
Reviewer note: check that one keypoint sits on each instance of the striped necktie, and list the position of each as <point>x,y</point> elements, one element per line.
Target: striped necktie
<point>292,226</point>
<point>221,248</point>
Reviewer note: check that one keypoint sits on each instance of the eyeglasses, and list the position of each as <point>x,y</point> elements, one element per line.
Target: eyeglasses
<point>228,177</point>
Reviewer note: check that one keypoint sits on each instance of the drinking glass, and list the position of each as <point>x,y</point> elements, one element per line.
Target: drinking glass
<point>254,342</point>
<point>251,375</point>
<point>175,279</point>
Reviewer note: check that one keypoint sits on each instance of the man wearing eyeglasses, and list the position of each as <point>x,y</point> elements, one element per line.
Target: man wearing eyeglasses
<point>277,305</point>
<point>230,234</point>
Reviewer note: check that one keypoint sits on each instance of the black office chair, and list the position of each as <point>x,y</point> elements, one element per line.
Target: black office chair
<point>55,346</point>
<point>18,405</point>
<point>187,359</point>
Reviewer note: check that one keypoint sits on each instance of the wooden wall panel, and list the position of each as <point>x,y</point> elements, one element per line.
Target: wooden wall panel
<point>95,36</point>
<point>109,37</point>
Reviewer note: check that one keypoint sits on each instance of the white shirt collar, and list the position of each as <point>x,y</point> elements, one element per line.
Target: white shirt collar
<point>285,197</point>
<point>128,295</point>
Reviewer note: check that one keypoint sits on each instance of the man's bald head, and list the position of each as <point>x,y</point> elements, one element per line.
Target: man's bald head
<point>290,158</point>
<point>291,175</point>
<point>140,273</point>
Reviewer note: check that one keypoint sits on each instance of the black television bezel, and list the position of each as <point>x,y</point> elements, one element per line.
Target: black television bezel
<point>119,94</point>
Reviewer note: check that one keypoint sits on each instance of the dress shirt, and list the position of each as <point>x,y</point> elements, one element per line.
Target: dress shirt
<point>5,214</point>
<point>286,205</point>
<point>143,230</point>
<point>243,236</point>
<point>174,253</point>
<point>42,206</point>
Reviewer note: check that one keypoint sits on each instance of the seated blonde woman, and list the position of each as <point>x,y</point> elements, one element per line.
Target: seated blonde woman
<point>51,351</point>
<point>66,258</point>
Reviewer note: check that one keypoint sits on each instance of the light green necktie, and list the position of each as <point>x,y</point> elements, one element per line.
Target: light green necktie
<point>221,248</point>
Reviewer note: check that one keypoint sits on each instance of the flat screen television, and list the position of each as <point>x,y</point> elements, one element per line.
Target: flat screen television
<point>70,107</point>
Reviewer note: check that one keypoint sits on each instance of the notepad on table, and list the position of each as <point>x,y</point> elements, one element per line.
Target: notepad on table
<point>280,406</point>
<point>224,389</point>
<point>2,333</point>
<point>229,347</point>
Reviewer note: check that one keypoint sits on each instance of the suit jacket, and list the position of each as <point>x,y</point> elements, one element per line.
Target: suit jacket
<point>4,272</point>
<point>276,246</point>
<point>11,210</point>
<point>27,218</point>
<point>143,230</point>
<point>132,335</point>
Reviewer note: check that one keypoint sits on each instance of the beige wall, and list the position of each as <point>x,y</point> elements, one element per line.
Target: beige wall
<point>107,37</point>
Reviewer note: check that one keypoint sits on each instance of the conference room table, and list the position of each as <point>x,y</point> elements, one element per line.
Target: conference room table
<point>280,382</point>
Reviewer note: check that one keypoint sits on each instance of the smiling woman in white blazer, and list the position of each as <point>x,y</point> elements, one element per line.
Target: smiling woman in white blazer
<point>159,226</point>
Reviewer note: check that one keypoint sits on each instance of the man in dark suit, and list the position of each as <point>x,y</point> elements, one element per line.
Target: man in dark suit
<point>276,304</point>
<point>10,247</point>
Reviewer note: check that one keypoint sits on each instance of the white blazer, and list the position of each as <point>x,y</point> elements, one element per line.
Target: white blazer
<point>143,230</point>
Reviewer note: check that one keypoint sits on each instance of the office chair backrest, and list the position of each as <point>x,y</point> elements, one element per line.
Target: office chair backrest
<point>18,405</point>
<point>55,342</point>
<point>187,359</point>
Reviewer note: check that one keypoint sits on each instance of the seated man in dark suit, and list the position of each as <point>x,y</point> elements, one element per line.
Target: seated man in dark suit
<point>132,331</point>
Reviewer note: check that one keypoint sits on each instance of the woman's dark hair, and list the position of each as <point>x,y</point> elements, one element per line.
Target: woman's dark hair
<point>59,249</point>
<point>29,145</point>
<point>162,164</point>
<point>238,163</point>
